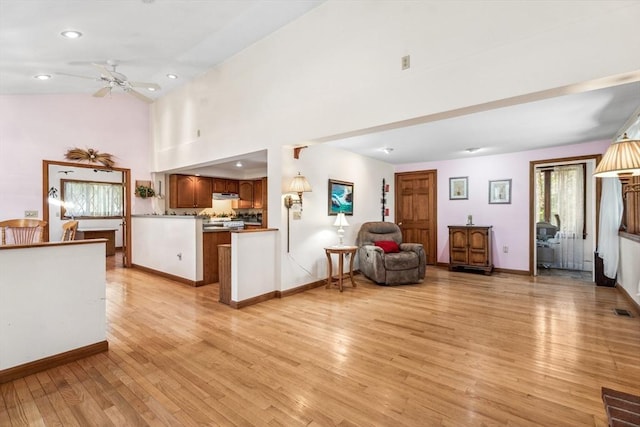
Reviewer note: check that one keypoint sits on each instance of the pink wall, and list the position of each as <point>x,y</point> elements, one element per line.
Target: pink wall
<point>43,127</point>
<point>510,222</point>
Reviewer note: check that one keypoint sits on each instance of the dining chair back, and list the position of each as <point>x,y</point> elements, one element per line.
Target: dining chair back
<point>69,229</point>
<point>22,231</point>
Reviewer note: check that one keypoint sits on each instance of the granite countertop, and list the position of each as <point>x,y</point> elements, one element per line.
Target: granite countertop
<point>169,216</point>
<point>216,229</point>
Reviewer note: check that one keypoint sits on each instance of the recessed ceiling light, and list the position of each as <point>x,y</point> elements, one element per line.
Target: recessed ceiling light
<point>71,34</point>
<point>386,150</point>
<point>172,76</point>
<point>42,76</point>
<point>472,150</point>
<point>151,89</point>
<point>238,164</point>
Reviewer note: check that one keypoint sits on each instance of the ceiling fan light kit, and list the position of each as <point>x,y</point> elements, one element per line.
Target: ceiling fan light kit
<point>113,79</point>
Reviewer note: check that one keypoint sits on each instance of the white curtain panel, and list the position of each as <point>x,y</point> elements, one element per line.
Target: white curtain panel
<point>569,188</point>
<point>610,218</point>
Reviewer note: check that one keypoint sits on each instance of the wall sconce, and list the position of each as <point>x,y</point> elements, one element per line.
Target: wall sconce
<point>341,221</point>
<point>298,185</point>
<point>53,197</point>
<point>621,160</point>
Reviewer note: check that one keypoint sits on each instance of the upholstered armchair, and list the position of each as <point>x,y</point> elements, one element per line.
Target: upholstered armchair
<point>383,257</point>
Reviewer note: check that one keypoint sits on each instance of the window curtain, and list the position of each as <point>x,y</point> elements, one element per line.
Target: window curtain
<point>568,186</point>
<point>611,208</point>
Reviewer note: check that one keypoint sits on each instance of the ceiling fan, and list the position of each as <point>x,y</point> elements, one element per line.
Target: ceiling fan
<point>113,79</point>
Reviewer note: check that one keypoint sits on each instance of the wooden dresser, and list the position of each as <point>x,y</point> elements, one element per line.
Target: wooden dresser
<point>470,247</point>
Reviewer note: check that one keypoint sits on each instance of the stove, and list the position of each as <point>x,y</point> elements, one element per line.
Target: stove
<point>234,225</point>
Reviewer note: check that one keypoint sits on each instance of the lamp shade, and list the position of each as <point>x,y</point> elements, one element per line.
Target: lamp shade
<point>299,184</point>
<point>622,158</point>
<point>341,221</point>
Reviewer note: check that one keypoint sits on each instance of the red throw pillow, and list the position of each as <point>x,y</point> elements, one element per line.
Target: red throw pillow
<point>388,246</point>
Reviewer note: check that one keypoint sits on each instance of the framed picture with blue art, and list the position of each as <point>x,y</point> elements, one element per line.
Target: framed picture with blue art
<point>340,197</point>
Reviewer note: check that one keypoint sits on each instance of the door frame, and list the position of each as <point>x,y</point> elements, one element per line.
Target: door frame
<point>126,183</point>
<point>596,190</point>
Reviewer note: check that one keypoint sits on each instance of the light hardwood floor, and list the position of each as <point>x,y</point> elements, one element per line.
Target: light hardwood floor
<point>460,349</point>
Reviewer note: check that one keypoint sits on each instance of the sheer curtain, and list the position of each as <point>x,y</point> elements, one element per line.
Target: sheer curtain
<point>568,186</point>
<point>610,217</point>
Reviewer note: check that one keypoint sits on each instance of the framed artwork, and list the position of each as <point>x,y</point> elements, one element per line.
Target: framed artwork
<point>340,197</point>
<point>459,188</point>
<point>500,191</point>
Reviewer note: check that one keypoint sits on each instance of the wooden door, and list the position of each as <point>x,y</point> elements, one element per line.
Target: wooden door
<point>415,204</point>
<point>203,192</point>
<point>232,185</point>
<point>257,194</point>
<point>458,246</point>
<point>246,194</point>
<point>478,250</point>
<point>219,185</point>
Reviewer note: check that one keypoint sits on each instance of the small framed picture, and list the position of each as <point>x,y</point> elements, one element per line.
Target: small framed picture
<point>500,191</point>
<point>340,197</point>
<point>459,188</point>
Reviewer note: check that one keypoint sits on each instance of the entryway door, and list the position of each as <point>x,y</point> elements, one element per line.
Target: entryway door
<point>415,204</point>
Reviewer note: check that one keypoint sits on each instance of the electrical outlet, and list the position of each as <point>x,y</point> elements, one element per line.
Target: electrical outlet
<point>30,214</point>
<point>505,249</point>
<point>406,62</point>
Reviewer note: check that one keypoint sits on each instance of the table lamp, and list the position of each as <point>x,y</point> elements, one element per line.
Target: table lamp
<point>341,221</point>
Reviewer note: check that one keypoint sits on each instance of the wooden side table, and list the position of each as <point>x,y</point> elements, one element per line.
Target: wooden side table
<point>341,251</point>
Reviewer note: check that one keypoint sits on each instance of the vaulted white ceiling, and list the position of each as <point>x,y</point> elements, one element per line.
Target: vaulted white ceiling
<point>149,39</point>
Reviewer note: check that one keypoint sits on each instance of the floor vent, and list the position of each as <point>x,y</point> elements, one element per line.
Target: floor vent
<point>622,312</point>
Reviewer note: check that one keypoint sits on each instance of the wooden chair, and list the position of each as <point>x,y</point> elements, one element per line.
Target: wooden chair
<point>22,231</point>
<point>69,229</point>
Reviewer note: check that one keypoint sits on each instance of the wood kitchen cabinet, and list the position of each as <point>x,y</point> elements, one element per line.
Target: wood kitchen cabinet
<point>210,265</point>
<point>187,191</point>
<point>470,247</point>
<point>245,191</point>
<point>222,185</point>
<point>259,196</point>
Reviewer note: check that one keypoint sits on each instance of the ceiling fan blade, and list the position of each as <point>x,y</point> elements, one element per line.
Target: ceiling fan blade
<point>102,92</point>
<point>147,85</point>
<point>139,96</point>
<point>76,75</point>
<point>104,71</point>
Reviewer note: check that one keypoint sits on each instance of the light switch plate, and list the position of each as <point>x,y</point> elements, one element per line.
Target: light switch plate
<point>30,214</point>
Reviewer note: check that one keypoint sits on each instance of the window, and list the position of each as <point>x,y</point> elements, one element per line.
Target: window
<point>87,199</point>
<point>631,200</point>
<point>562,194</point>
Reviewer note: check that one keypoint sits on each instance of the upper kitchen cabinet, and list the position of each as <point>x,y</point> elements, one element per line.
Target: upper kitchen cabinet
<point>260,193</point>
<point>253,194</point>
<point>187,191</point>
<point>245,192</point>
<point>221,185</point>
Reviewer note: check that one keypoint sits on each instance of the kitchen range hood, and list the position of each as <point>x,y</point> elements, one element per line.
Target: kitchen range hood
<point>225,196</point>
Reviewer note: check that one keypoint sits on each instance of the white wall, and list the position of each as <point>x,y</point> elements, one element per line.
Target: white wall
<point>172,245</point>
<point>629,268</point>
<point>306,262</point>
<point>43,127</point>
<point>510,222</point>
<point>337,70</point>
<point>52,300</point>
<point>253,264</point>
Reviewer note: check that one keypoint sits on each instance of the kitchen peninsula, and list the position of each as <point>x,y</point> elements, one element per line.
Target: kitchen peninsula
<point>185,248</point>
